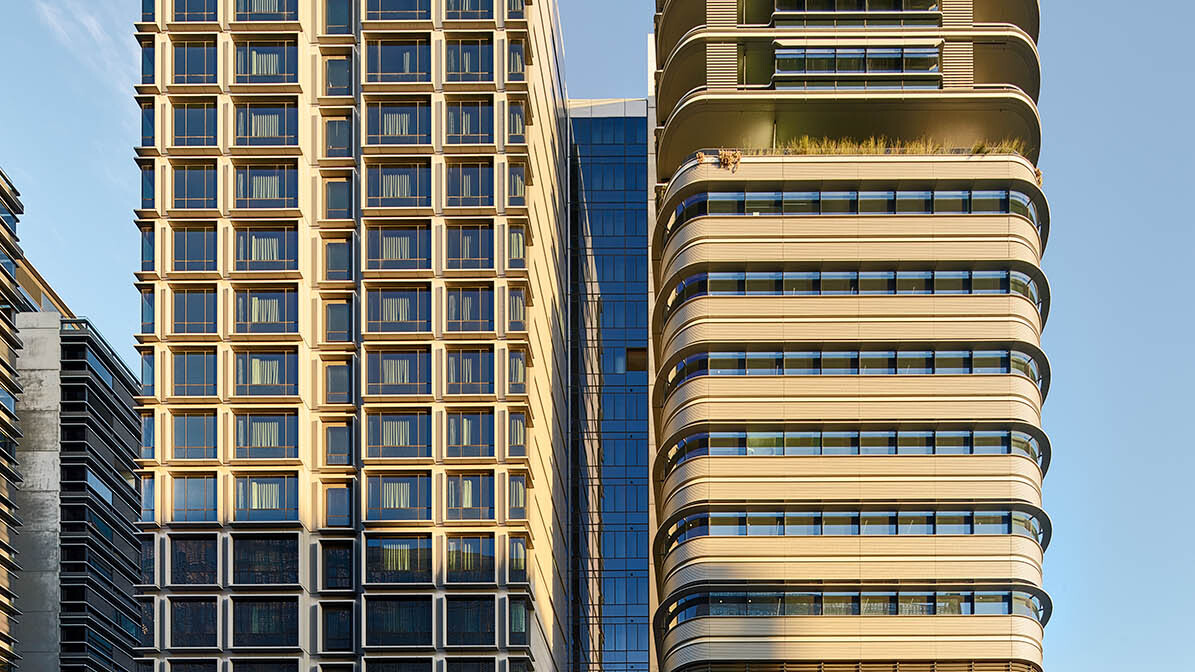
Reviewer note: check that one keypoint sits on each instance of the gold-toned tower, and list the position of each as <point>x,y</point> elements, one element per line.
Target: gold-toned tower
<point>353,287</point>
<point>847,307</point>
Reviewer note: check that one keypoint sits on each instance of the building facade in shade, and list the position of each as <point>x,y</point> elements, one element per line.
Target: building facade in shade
<point>11,303</point>
<point>610,536</point>
<point>846,313</point>
<point>353,336</point>
<point>80,498</point>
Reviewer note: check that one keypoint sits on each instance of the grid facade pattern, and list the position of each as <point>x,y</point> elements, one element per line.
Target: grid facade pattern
<point>608,222</point>
<point>352,315</point>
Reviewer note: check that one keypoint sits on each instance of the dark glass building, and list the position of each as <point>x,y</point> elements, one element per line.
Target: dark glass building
<point>607,225</point>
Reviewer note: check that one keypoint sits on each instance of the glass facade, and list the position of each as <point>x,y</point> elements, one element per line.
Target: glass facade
<point>608,230</point>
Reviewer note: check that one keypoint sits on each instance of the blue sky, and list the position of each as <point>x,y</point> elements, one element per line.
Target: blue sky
<point>1116,107</point>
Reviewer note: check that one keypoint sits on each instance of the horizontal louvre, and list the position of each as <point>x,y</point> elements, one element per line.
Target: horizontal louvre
<point>720,13</point>
<point>868,666</point>
<point>958,12</point>
<point>958,65</point>
<point>722,63</point>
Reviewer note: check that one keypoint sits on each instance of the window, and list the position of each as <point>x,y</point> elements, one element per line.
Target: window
<point>469,9</point>
<point>147,125</point>
<point>338,444</point>
<point>518,372</point>
<point>338,137</point>
<point>267,498</point>
<point>470,184</point>
<point>469,497</point>
<point>398,621</point>
<point>399,185</point>
<point>338,506</point>
<point>194,10</point>
<point>147,436</point>
<point>193,560</point>
<point>193,622</point>
<point>470,309</point>
<point>147,62</point>
<point>519,611</point>
<point>338,17</point>
<point>399,123</point>
<point>338,383</point>
<point>147,499</point>
<point>399,248</point>
<point>267,436</point>
<point>518,308</point>
<point>195,373</point>
<point>258,665</point>
<point>517,569</point>
<point>518,497</point>
<point>470,122</point>
<point>195,186</point>
<point>195,435</point>
<point>267,249</point>
<point>472,665</point>
<point>470,371</point>
<point>338,77</point>
<point>470,246</point>
<point>148,630</point>
<point>338,198</point>
<point>195,124</point>
<point>337,626</point>
<point>516,63</point>
<point>337,565</point>
<point>195,62</point>
<point>516,130</point>
<point>267,312</point>
<point>147,187</point>
<point>338,321</point>
<point>399,310</point>
<point>470,60</point>
<point>517,249</point>
<point>398,60</point>
<point>267,373</point>
<point>194,499</point>
<point>267,186</point>
<point>399,434</point>
<point>266,63</point>
<point>405,497</point>
<point>268,10</point>
<point>267,124</point>
<point>398,559</point>
<point>195,249</point>
<point>147,369</point>
<point>265,560</point>
<point>265,622</point>
<point>515,9</point>
<point>470,434</point>
<point>147,249</point>
<point>470,621</point>
<point>517,446</point>
<point>400,372</point>
<point>518,185</point>
<point>195,311</point>
<point>470,559</point>
<point>338,260</point>
<point>398,10</point>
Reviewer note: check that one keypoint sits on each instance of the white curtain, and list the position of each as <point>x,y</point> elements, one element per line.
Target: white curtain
<point>516,60</point>
<point>468,187</point>
<point>265,185</point>
<point>396,494</point>
<point>516,120</point>
<point>397,121</point>
<point>264,61</point>
<point>518,556</point>
<point>518,181</point>
<point>264,247</point>
<point>265,309</point>
<point>396,185</point>
<point>397,431</point>
<point>265,432</point>
<point>267,495</point>
<point>396,371</point>
<point>265,371</point>
<point>265,6</point>
<point>396,244</point>
<point>396,308</point>
<point>397,554</point>
<point>518,238</point>
<point>462,306</point>
<point>518,492</point>
<point>518,429</point>
<point>518,368</point>
<point>265,124</point>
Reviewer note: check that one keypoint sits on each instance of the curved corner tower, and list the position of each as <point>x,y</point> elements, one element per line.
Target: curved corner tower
<point>846,312</point>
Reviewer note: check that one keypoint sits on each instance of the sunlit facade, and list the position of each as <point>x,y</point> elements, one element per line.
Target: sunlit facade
<point>353,338</point>
<point>846,312</point>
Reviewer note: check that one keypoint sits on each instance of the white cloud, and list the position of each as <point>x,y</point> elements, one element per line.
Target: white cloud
<point>96,33</point>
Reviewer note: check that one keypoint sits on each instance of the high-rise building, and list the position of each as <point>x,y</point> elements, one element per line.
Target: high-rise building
<point>78,548</point>
<point>847,305</point>
<point>12,302</point>
<point>354,336</point>
<point>608,333</point>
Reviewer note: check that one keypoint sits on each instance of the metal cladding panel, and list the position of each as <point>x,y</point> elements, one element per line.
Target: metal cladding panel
<point>958,65</point>
<point>721,13</point>
<point>722,65</point>
<point>958,12</point>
